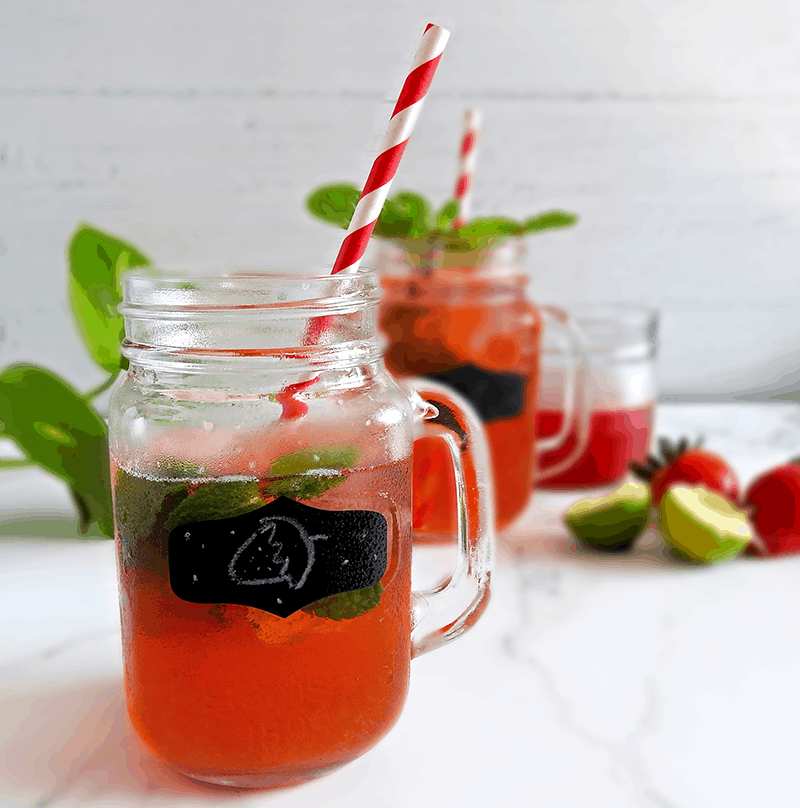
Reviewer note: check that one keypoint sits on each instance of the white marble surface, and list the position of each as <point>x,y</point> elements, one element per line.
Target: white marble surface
<point>591,681</point>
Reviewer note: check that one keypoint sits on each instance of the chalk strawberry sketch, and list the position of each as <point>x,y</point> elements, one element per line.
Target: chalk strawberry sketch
<point>283,553</point>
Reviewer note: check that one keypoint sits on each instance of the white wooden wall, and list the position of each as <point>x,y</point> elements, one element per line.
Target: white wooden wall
<point>195,127</point>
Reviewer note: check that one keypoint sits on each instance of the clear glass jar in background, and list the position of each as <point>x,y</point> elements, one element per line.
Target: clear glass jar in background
<point>621,345</point>
<point>261,466</point>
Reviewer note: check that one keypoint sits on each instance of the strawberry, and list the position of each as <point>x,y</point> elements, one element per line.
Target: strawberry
<point>683,463</point>
<point>774,503</point>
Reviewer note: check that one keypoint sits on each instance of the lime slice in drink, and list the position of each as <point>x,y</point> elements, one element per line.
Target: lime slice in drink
<point>613,522</point>
<point>701,525</point>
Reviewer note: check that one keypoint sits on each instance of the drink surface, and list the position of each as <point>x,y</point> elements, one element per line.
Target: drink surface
<point>487,350</point>
<point>615,437</point>
<point>231,693</point>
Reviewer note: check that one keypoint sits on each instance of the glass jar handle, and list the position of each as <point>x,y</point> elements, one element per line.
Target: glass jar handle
<point>576,410</point>
<point>442,614</point>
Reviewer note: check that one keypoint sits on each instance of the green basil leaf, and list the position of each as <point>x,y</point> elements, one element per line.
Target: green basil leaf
<point>447,214</point>
<point>491,226</point>
<point>551,220</point>
<point>404,215</point>
<point>348,604</point>
<point>54,426</point>
<point>334,204</point>
<point>310,472</point>
<point>216,500</point>
<point>96,260</point>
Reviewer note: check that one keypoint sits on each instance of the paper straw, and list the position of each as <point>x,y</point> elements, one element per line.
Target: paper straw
<point>376,189</point>
<point>467,158</point>
<point>401,124</point>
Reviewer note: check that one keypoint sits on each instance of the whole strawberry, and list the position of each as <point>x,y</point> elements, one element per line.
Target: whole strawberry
<point>774,503</point>
<point>683,463</point>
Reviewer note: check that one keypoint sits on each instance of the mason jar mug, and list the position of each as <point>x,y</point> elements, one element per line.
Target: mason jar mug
<point>262,474</point>
<point>464,319</point>
<point>621,344</point>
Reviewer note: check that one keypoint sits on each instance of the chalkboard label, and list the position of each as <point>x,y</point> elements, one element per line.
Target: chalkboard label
<point>494,395</point>
<point>278,558</point>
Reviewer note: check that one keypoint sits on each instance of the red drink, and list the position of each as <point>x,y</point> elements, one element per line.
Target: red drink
<point>615,437</point>
<point>480,337</point>
<point>262,509</point>
<point>225,690</point>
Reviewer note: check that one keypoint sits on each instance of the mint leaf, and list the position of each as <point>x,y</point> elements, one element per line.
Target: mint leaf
<point>303,486</point>
<point>455,242</point>
<point>56,428</point>
<point>404,215</point>
<point>297,474</point>
<point>315,457</point>
<point>491,227</point>
<point>408,216</point>
<point>96,260</point>
<point>447,214</point>
<point>139,501</point>
<point>551,220</point>
<point>141,506</point>
<point>334,204</point>
<point>216,500</point>
<point>180,469</point>
<point>347,605</point>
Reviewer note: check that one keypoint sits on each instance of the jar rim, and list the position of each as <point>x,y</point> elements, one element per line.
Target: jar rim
<point>256,315</point>
<point>212,272</point>
<point>606,309</point>
<point>244,287</point>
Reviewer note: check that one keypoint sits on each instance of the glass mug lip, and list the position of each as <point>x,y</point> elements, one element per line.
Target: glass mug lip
<point>619,330</point>
<point>240,318</point>
<point>245,287</point>
<point>613,308</point>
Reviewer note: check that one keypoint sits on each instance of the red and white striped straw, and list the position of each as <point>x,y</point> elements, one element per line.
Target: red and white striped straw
<point>376,189</point>
<point>401,124</point>
<point>467,157</point>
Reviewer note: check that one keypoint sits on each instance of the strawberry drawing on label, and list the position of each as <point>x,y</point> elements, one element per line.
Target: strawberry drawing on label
<point>275,554</point>
<point>280,558</point>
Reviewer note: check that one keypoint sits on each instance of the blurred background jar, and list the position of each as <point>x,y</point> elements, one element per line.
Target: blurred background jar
<point>621,344</point>
<point>465,319</point>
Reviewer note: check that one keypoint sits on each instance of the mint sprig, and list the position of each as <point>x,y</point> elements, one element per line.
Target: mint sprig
<point>446,215</point>
<point>139,502</point>
<point>334,204</point>
<point>141,506</point>
<point>347,605</point>
<point>409,216</point>
<point>309,473</point>
<point>216,500</point>
<point>405,215</point>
